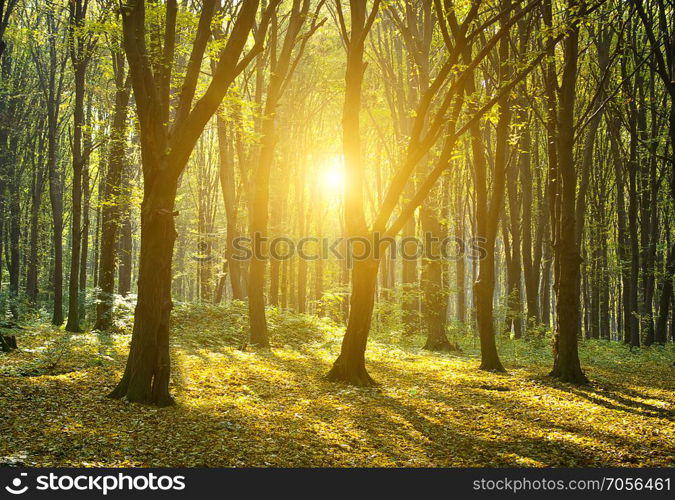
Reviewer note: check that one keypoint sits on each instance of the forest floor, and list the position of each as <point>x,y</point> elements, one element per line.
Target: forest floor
<point>273,408</point>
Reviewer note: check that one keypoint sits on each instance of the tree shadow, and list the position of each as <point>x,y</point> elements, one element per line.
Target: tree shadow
<point>612,397</point>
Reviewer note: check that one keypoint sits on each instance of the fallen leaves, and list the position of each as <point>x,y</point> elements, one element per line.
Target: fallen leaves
<point>273,408</point>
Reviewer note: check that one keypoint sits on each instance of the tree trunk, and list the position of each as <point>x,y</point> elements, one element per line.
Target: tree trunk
<point>350,366</point>
<point>14,243</point>
<point>227,185</point>
<point>56,200</point>
<point>531,291</point>
<point>460,265</point>
<point>489,205</point>
<point>605,332</point>
<point>409,281</point>
<point>84,252</point>
<point>622,235</point>
<point>125,251</point>
<point>566,366</point>
<point>73,324</point>
<point>275,264</point>
<point>304,218</point>
<point>259,215</point>
<point>435,303</point>
<point>514,267</point>
<point>634,256</point>
<point>146,377</point>
<point>111,214</point>
<point>660,333</point>
<point>36,202</point>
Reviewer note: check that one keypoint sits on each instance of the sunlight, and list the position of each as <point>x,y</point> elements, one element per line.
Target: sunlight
<point>339,233</point>
<point>332,175</point>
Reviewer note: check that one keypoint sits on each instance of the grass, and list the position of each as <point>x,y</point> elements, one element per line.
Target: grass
<point>272,408</point>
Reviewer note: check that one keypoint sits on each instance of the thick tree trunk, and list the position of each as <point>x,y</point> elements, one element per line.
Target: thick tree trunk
<point>566,366</point>
<point>634,254</point>
<point>259,216</point>
<point>146,377</point>
<point>483,295</point>
<point>489,205</point>
<point>165,151</point>
<point>484,286</point>
<point>649,227</point>
<point>350,366</point>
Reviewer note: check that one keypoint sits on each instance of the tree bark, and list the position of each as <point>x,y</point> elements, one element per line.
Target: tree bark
<point>567,366</point>
<point>227,184</point>
<point>350,366</point>
<point>660,332</point>
<point>165,150</point>
<point>111,213</point>
<point>37,189</point>
<point>14,244</point>
<point>78,45</point>
<point>435,303</point>
<point>146,376</point>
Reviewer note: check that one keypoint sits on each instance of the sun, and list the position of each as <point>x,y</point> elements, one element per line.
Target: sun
<point>333,174</point>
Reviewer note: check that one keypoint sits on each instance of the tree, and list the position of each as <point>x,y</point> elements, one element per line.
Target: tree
<point>50,64</point>
<point>566,365</point>
<point>350,365</point>
<point>166,145</point>
<point>111,211</point>
<point>81,46</point>
<point>282,66</point>
<point>6,8</point>
<point>430,124</point>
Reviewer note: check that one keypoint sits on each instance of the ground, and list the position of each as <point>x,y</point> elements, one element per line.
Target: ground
<point>241,407</point>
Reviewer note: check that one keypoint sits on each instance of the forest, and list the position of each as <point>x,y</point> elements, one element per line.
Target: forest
<point>352,233</point>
